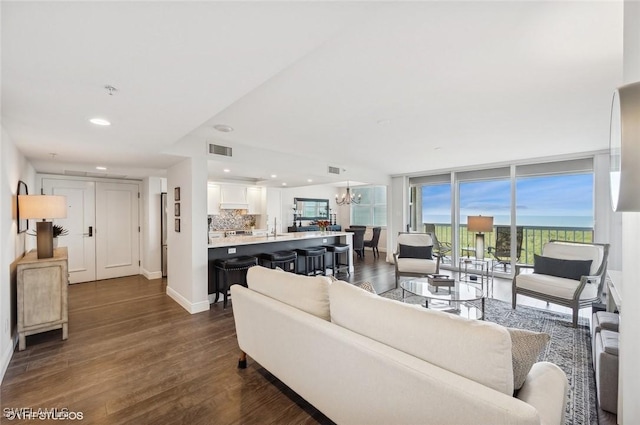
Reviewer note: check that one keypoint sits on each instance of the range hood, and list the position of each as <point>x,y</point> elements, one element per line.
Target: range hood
<point>233,198</point>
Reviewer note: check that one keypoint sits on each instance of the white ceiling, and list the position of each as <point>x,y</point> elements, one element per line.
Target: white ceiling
<point>374,88</point>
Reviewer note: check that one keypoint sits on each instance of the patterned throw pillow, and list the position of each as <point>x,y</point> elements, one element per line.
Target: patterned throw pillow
<point>367,286</point>
<point>525,349</point>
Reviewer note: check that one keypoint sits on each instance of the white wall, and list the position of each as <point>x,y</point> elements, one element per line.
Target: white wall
<point>13,167</point>
<point>630,316</point>
<point>150,222</point>
<point>187,268</point>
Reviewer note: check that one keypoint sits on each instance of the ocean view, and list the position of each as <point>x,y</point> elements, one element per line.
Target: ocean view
<point>523,220</point>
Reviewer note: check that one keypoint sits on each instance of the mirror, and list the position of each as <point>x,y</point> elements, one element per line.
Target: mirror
<point>23,224</point>
<point>312,209</point>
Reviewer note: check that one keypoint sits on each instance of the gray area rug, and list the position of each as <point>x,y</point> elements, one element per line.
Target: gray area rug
<point>569,348</point>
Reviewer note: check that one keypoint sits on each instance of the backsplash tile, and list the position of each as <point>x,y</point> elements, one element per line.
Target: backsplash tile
<point>232,219</point>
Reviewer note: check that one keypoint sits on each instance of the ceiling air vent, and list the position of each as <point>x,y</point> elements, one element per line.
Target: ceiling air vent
<point>220,150</point>
<point>334,170</point>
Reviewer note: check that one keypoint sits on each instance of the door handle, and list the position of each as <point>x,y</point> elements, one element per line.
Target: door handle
<point>90,234</point>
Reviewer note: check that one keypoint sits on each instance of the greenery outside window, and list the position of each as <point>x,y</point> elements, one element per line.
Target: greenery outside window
<point>372,209</point>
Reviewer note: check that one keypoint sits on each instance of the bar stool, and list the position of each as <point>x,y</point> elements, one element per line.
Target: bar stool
<point>336,251</point>
<point>241,263</point>
<point>310,255</point>
<point>282,259</point>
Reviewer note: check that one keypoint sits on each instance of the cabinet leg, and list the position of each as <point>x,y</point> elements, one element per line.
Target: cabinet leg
<point>22,341</point>
<point>65,331</point>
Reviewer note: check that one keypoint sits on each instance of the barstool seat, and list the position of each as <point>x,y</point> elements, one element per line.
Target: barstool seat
<point>226,265</point>
<point>310,255</point>
<point>336,251</point>
<point>280,258</point>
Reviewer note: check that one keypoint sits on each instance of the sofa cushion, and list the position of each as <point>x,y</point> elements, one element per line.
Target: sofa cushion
<point>525,349</point>
<point>568,269</point>
<point>307,293</point>
<point>477,350</point>
<point>410,251</point>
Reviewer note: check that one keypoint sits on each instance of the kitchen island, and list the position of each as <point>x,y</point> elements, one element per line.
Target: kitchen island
<point>233,246</point>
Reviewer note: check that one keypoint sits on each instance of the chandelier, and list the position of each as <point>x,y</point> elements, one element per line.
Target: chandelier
<point>348,198</point>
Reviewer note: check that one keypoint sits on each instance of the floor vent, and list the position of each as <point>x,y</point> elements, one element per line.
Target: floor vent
<point>220,150</point>
<point>334,170</point>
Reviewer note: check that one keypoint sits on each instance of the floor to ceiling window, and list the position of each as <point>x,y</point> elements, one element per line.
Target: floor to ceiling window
<point>530,205</point>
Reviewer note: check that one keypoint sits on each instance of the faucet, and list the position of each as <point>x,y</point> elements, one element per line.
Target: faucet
<point>275,226</point>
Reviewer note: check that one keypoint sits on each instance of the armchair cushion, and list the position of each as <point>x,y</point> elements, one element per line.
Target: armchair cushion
<point>410,251</point>
<point>555,286</point>
<point>568,269</point>
<point>416,265</point>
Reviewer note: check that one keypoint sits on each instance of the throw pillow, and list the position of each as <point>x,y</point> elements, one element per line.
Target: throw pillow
<point>526,346</point>
<point>568,269</point>
<point>367,286</point>
<point>410,251</point>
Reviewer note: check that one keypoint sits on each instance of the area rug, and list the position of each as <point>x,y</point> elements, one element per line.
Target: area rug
<point>569,348</point>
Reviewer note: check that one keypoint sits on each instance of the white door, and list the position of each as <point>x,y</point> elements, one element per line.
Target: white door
<point>117,230</point>
<point>80,223</point>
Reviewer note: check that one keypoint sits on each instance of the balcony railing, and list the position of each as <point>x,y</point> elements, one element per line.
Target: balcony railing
<point>533,238</point>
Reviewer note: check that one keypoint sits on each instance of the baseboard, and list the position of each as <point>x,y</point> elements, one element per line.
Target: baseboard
<point>192,308</point>
<point>152,275</point>
<point>6,357</point>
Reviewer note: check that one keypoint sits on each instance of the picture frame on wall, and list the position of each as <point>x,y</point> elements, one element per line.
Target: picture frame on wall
<point>23,224</point>
<point>176,194</point>
<point>176,209</point>
<point>177,225</point>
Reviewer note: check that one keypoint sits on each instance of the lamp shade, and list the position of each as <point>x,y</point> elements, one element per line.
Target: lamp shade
<point>479,223</point>
<point>42,206</point>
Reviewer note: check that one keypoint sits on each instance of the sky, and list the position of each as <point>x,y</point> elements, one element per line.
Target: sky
<point>561,199</point>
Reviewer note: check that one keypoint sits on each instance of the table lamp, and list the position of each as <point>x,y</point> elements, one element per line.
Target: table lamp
<point>43,207</point>
<point>480,224</point>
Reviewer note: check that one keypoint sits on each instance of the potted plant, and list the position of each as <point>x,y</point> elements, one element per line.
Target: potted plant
<point>58,231</point>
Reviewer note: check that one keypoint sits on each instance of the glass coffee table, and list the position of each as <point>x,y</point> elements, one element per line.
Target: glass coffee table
<point>460,299</point>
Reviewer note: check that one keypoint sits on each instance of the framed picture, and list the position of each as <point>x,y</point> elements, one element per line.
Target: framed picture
<point>176,209</point>
<point>23,224</point>
<point>176,194</point>
<point>177,225</point>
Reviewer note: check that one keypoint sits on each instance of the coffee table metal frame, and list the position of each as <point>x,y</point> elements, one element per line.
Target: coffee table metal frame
<point>461,294</point>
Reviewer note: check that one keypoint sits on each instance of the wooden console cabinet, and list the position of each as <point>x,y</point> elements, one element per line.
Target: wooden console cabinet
<point>42,294</point>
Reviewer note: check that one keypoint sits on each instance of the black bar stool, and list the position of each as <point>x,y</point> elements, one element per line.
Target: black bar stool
<point>282,259</point>
<point>336,251</point>
<point>310,255</point>
<point>241,263</point>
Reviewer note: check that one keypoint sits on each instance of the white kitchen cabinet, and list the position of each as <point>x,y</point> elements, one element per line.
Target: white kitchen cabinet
<point>213,199</point>
<point>254,200</point>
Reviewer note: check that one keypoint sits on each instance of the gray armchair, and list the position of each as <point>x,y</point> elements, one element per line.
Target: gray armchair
<point>414,256</point>
<point>571,274</point>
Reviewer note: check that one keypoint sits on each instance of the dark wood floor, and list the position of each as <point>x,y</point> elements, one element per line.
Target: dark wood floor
<point>135,356</point>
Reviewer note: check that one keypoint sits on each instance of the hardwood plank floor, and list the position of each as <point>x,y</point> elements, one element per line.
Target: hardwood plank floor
<point>134,356</point>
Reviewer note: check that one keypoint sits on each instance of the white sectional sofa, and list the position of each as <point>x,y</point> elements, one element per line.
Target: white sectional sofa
<point>363,359</point>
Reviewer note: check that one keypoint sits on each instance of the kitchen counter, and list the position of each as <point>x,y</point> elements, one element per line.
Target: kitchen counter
<point>234,246</point>
<point>250,240</point>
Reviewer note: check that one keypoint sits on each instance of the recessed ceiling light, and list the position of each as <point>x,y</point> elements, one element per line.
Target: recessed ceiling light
<point>99,121</point>
<point>284,184</point>
<point>101,168</point>
<point>223,128</point>
<point>273,176</point>
<point>309,180</point>
<point>226,170</point>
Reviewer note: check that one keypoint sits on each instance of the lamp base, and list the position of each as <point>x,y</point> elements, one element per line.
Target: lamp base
<point>44,231</point>
<point>480,246</point>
